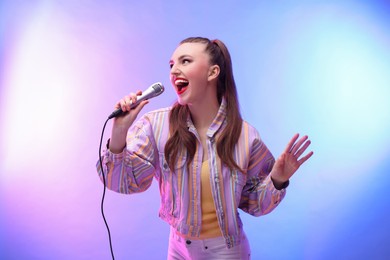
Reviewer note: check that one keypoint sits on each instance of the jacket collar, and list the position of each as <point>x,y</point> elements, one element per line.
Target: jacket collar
<point>217,122</point>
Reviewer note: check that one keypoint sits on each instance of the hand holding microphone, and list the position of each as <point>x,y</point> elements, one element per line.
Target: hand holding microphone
<point>131,101</point>
<point>129,107</point>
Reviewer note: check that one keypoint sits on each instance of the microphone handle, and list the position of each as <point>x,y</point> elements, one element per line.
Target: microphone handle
<point>116,113</point>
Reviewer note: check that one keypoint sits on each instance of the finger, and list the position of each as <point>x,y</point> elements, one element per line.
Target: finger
<point>302,149</point>
<point>305,158</point>
<point>122,104</point>
<point>131,99</point>
<point>291,143</point>
<point>127,100</point>
<point>298,144</point>
<point>134,98</point>
<point>117,105</point>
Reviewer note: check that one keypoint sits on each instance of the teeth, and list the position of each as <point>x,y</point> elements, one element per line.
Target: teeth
<point>181,81</point>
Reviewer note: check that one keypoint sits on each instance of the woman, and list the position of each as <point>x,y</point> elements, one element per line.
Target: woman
<point>207,160</point>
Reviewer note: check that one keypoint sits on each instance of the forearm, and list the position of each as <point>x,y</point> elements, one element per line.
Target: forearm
<point>119,172</point>
<point>118,139</point>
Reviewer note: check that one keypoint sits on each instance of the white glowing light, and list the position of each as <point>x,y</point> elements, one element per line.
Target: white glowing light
<point>37,98</point>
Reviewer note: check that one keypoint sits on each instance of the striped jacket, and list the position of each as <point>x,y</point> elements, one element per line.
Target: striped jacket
<point>143,158</point>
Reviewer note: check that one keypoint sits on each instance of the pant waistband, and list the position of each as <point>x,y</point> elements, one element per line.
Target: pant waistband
<point>188,240</point>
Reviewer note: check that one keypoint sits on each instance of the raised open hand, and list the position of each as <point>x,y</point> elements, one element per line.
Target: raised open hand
<point>289,161</point>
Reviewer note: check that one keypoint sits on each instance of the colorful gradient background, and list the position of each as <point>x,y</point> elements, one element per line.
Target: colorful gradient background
<point>320,68</point>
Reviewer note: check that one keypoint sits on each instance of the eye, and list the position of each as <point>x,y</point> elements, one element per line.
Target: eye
<point>186,61</point>
<point>170,65</point>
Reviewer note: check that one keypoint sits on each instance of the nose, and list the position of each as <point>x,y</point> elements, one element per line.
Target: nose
<point>174,70</point>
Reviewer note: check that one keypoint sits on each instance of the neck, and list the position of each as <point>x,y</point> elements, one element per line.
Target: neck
<point>203,113</point>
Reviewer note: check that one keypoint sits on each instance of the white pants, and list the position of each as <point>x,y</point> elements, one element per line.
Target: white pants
<point>213,248</point>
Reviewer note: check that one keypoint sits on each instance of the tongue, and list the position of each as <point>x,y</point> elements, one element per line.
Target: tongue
<point>181,89</point>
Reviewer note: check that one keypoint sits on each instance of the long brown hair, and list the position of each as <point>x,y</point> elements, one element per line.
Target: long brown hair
<point>226,88</point>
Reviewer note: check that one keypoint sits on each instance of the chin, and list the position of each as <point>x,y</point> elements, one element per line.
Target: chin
<point>181,102</point>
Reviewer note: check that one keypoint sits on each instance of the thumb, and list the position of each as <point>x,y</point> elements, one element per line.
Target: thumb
<point>138,108</point>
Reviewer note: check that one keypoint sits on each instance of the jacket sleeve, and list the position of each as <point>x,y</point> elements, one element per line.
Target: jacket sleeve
<point>132,170</point>
<point>259,195</point>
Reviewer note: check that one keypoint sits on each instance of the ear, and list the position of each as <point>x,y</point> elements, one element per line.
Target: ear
<point>213,72</point>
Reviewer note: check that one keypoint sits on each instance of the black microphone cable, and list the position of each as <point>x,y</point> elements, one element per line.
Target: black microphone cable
<point>104,190</point>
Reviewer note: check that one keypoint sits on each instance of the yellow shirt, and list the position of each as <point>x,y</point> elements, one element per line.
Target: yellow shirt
<point>210,227</point>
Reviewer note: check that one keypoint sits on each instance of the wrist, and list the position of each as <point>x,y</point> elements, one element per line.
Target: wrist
<point>279,185</point>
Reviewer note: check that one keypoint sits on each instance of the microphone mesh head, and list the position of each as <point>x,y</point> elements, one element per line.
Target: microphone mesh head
<point>158,88</point>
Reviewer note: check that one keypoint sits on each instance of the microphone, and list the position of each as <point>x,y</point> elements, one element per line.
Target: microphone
<point>152,91</point>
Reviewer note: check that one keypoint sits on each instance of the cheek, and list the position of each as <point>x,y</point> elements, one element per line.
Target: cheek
<point>198,74</point>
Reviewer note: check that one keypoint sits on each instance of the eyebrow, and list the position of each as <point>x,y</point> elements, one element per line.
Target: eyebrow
<point>181,57</point>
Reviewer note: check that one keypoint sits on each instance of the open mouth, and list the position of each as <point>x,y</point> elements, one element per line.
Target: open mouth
<point>181,85</point>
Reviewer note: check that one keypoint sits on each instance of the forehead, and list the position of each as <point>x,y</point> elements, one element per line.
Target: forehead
<point>189,49</point>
